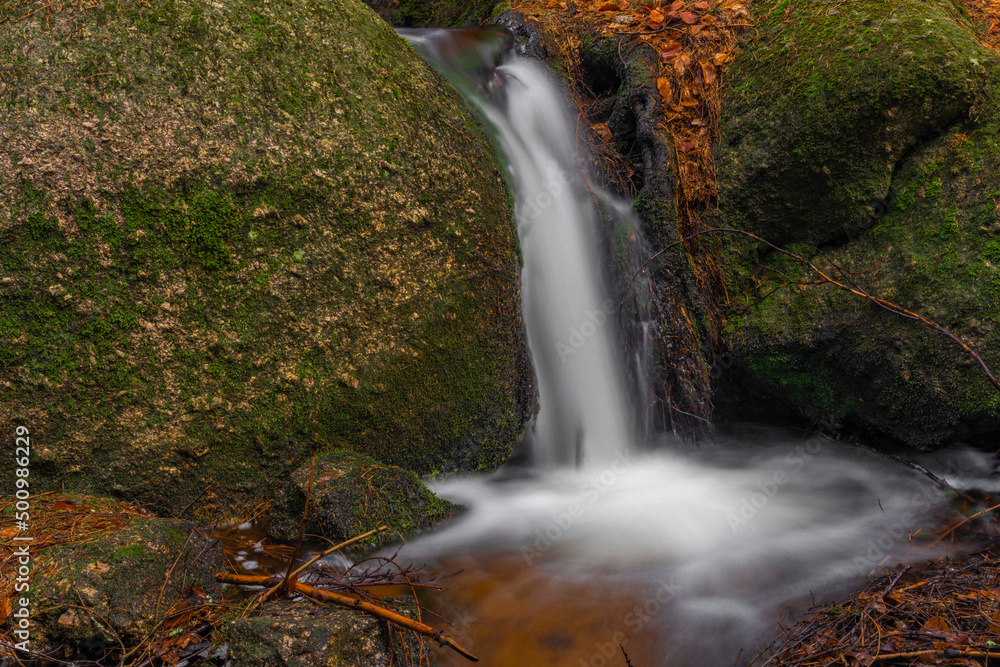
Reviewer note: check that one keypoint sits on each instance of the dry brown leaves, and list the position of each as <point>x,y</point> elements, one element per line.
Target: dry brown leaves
<point>947,613</point>
<point>694,39</point>
<point>987,14</point>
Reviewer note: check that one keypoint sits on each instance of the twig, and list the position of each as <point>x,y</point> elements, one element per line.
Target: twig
<point>893,582</point>
<point>383,613</point>
<point>196,499</point>
<point>340,546</point>
<point>882,303</point>
<point>302,529</point>
<point>962,522</point>
<point>909,464</point>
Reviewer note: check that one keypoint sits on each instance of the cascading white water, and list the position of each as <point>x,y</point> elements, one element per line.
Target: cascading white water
<point>707,545</point>
<point>567,312</point>
<point>570,320</point>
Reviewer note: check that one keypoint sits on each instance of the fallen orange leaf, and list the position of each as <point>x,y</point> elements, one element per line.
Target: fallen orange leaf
<point>666,90</point>
<point>670,50</point>
<point>687,99</point>
<point>602,130</point>
<point>656,16</point>
<point>689,18</point>
<point>708,72</point>
<point>681,63</point>
<point>936,624</point>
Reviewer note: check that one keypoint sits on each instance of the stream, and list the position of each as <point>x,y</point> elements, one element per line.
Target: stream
<point>612,540</point>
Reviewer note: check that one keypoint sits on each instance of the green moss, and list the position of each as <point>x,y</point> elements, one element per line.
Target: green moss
<point>133,552</point>
<point>39,226</point>
<point>825,99</point>
<point>352,495</point>
<point>272,232</point>
<point>810,385</point>
<point>936,255</point>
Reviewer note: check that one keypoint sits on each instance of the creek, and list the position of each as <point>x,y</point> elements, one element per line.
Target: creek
<point>613,539</point>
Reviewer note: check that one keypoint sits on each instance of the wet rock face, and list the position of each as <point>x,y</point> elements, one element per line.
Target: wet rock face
<point>352,494</point>
<point>234,229</point>
<point>868,131</point>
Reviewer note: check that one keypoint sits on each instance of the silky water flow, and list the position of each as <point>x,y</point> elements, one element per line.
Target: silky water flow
<point>610,542</point>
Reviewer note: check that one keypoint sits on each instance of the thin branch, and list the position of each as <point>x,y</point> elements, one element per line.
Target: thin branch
<point>302,529</point>
<point>338,547</point>
<point>857,291</point>
<point>351,603</point>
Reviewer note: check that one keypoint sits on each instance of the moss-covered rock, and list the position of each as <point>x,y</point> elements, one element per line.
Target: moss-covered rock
<point>827,98</point>
<point>302,635</point>
<point>232,229</point>
<point>352,494</point>
<point>815,350</point>
<point>115,590</point>
<point>437,13</point>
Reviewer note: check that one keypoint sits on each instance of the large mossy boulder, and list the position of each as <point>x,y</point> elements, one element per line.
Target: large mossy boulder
<point>827,99</point>
<point>885,155</point>
<point>230,230</point>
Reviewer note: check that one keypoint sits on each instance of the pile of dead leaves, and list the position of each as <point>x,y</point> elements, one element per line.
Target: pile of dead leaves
<point>694,40</point>
<point>56,520</point>
<point>946,613</point>
<point>987,14</point>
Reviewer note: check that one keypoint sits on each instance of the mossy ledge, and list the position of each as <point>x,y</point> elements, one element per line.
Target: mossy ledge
<point>234,229</point>
<point>869,129</point>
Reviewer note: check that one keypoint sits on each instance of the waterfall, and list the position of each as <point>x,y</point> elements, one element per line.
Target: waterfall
<point>570,319</point>
<point>684,558</point>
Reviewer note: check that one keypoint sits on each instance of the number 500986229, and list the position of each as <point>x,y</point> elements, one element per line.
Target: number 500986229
<point>21,458</point>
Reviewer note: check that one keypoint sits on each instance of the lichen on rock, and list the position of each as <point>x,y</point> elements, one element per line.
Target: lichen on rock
<point>231,230</point>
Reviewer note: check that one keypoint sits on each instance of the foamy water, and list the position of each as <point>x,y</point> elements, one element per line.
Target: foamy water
<point>687,558</point>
